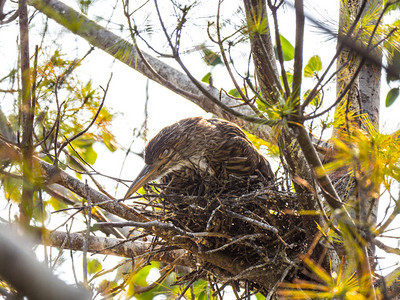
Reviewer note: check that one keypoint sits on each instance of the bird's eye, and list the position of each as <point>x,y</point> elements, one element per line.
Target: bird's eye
<point>165,153</point>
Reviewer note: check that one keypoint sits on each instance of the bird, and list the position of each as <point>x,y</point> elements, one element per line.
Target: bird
<point>210,146</point>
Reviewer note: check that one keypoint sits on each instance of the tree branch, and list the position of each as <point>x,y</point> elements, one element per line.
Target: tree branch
<point>27,275</point>
<point>298,56</point>
<point>126,53</point>
<point>51,174</point>
<point>26,205</point>
<point>263,50</point>
<point>118,247</point>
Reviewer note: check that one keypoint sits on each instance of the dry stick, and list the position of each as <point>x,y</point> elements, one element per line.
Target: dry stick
<point>345,41</point>
<point>364,54</point>
<point>60,251</point>
<point>328,190</point>
<point>55,124</point>
<point>166,226</point>
<point>389,220</point>
<point>52,174</point>
<point>188,285</point>
<point>237,240</point>
<point>342,94</point>
<point>147,64</point>
<point>284,274</point>
<point>259,224</point>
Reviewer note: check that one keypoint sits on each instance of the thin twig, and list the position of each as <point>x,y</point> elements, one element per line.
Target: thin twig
<point>87,235</point>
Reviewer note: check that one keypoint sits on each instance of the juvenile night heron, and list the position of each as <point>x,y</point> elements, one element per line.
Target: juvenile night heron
<point>210,146</point>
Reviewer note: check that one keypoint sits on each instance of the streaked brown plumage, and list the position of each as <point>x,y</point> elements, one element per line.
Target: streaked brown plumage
<point>212,146</point>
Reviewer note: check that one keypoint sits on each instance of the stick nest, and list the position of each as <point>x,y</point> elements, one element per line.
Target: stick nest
<point>247,219</point>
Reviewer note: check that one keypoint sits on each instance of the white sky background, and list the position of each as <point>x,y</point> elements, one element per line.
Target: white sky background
<point>127,92</point>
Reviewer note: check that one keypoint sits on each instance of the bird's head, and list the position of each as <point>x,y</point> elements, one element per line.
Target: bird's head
<point>171,149</point>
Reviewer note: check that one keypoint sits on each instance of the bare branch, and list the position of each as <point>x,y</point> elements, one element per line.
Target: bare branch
<point>125,52</point>
<point>119,247</point>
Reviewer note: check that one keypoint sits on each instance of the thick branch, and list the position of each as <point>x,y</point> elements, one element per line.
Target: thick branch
<point>51,174</point>
<point>118,247</point>
<point>31,278</point>
<point>126,53</point>
<point>313,160</point>
<point>263,50</point>
<point>298,54</point>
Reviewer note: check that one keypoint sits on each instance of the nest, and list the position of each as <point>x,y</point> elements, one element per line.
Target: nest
<point>244,218</point>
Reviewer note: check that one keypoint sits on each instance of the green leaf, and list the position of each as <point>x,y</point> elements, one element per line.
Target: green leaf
<point>109,140</point>
<point>287,49</point>
<point>234,92</point>
<point>12,188</point>
<point>259,296</point>
<point>93,266</point>
<point>84,147</point>
<point>84,5</point>
<point>316,101</point>
<point>313,66</point>
<point>90,156</point>
<point>392,96</point>
<point>206,78</point>
<point>140,278</point>
<point>289,77</point>
<point>56,204</point>
<point>82,142</point>
<point>39,212</point>
<point>210,57</point>
<point>394,6</point>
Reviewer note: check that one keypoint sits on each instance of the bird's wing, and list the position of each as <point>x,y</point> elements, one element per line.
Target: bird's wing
<point>240,157</point>
<point>238,153</point>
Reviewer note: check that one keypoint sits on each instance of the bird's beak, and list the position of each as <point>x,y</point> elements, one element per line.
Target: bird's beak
<point>148,173</point>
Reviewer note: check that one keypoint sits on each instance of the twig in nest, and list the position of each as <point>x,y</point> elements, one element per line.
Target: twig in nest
<point>246,237</point>
<point>167,226</point>
<point>259,224</point>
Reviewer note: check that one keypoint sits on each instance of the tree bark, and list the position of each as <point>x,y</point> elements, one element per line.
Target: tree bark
<point>266,70</point>
<point>117,247</point>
